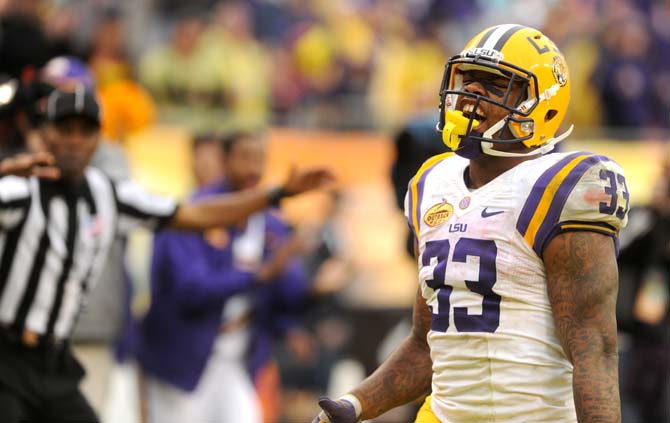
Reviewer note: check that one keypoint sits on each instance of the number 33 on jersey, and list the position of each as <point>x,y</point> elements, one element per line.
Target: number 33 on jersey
<point>481,270</point>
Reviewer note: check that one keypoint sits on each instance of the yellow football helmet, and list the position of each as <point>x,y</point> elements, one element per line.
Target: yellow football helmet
<point>524,56</point>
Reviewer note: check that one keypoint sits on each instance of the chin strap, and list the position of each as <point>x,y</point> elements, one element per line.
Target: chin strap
<point>488,134</point>
<point>526,105</point>
<point>487,147</point>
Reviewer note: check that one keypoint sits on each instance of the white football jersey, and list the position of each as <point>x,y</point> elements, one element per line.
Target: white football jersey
<point>496,356</point>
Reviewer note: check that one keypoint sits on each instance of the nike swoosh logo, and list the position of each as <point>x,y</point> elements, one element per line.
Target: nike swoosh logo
<point>486,213</point>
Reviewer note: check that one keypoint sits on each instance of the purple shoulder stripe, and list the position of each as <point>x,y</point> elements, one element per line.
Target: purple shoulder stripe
<point>410,208</point>
<point>419,190</point>
<point>559,200</point>
<point>536,193</point>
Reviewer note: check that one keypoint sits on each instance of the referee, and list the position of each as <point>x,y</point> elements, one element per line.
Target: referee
<point>58,218</point>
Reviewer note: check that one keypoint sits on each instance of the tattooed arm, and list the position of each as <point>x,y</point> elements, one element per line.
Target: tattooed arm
<point>582,281</point>
<point>405,375</point>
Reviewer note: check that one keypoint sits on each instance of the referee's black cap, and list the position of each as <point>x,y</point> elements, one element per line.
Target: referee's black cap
<point>76,100</point>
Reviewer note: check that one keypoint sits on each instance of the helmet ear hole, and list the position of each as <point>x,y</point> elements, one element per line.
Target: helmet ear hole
<point>550,115</point>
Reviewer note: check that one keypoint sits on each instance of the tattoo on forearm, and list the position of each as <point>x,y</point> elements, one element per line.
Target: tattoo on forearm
<point>405,375</point>
<point>582,282</point>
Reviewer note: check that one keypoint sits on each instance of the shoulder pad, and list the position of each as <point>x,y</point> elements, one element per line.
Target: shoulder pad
<point>415,190</point>
<point>581,192</point>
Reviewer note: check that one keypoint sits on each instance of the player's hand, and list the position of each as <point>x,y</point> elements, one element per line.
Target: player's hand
<point>30,164</point>
<point>300,181</point>
<point>340,411</point>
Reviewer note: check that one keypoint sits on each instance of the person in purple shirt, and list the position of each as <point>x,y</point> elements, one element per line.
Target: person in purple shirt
<point>62,217</point>
<point>218,300</point>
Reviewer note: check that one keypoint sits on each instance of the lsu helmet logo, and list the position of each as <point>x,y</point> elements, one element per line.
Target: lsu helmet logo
<point>560,70</point>
<point>438,214</point>
<point>494,55</point>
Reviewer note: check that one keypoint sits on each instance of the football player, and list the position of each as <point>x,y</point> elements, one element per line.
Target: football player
<point>514,319</point>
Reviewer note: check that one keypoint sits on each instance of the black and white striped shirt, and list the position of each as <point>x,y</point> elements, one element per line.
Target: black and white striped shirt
<point>54,238</point>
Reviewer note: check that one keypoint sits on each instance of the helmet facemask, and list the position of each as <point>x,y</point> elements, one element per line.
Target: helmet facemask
<point>514,128</point>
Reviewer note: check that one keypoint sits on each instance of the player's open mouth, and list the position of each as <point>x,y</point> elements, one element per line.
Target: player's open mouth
<point>468,110</point>
<point>479,115</point>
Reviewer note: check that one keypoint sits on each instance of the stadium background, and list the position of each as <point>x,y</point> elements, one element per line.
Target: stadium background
<point>334,83</point>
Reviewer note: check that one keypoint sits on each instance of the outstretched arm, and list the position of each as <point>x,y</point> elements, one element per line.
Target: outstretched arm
<point>28,164</point>
<point>227,209</point>
<point>582,281</point>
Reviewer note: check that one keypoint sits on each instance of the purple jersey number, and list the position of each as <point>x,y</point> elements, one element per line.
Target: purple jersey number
<point>611,190</point>
<point>486,250</point>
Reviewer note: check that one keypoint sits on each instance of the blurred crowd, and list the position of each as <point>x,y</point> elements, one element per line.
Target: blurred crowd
<point>241,65</point>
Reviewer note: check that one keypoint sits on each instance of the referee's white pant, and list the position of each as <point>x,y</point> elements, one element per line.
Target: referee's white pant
<point>224,394</point>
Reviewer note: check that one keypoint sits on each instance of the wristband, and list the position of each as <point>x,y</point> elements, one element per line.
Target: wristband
<point>275,195</point>
<point>358,409</point>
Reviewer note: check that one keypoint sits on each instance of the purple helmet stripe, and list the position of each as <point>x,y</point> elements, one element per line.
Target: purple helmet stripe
<point>486,36</point>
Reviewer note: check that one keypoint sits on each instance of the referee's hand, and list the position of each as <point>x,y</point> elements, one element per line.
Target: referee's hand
<point>30,164</point>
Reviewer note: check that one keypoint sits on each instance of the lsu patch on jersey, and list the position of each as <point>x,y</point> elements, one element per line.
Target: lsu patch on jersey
<point>496,356</point>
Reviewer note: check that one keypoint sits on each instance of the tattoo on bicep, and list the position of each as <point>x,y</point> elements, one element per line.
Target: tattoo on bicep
<point>582,281</point>
<point>582,284</point>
